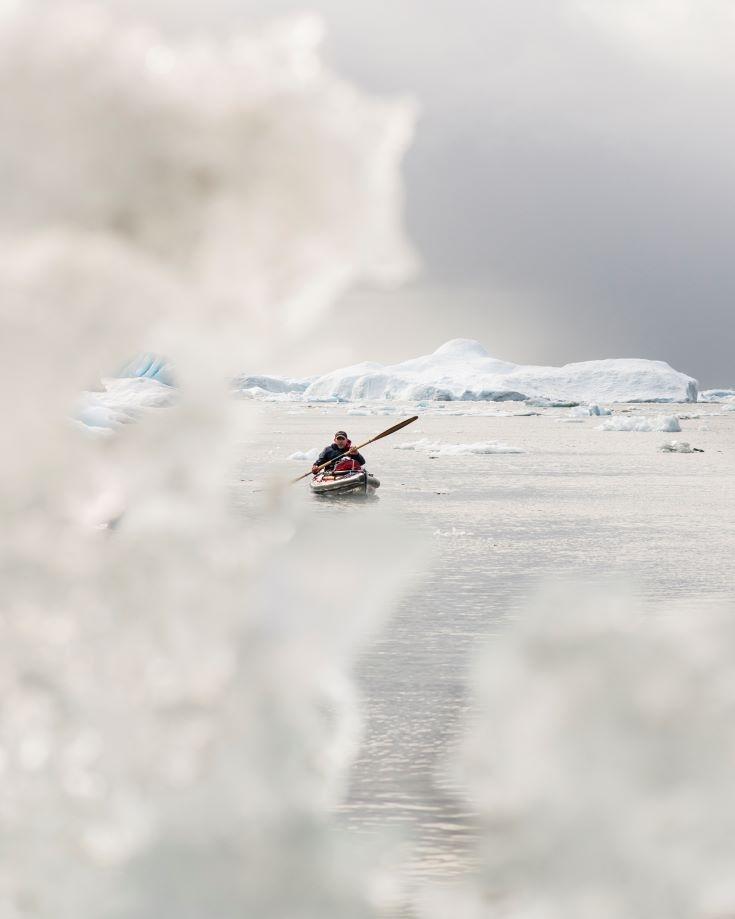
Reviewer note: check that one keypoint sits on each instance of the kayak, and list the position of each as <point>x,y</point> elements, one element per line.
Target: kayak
<point>360,482</point>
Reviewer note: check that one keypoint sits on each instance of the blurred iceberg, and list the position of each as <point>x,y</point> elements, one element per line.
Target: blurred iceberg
<point>599,755</point>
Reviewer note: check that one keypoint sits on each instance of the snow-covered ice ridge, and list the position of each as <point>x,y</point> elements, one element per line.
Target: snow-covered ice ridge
<point>462,369</point>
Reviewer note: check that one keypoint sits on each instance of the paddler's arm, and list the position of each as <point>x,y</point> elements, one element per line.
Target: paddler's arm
<point>322,458</point>
<point>353,454</point>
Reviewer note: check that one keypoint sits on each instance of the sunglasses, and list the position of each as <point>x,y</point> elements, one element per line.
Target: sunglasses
<point>340,438</point>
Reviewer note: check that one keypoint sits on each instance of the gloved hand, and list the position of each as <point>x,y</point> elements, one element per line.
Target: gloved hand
<point>315,469</point>
<point>353,450</point>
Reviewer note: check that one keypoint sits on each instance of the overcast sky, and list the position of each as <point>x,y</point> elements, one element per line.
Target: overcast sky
<point>571,187</point>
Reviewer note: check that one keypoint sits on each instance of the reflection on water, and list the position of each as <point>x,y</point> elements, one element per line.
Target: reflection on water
<point>579,503</point>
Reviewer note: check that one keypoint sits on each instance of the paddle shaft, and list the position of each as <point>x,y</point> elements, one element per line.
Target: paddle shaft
<point>396,427</point>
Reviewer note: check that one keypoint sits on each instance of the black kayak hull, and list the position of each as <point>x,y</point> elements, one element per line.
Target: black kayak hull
<point>353,483</point>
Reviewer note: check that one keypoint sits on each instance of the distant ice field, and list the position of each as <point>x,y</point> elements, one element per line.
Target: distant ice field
<point>574,502</point>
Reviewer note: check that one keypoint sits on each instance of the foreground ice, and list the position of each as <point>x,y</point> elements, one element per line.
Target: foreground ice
<point>123,400</point>
<point>178,714</point>
<point>463,369</point>
<point>599,758</point>
<point>640,423</point>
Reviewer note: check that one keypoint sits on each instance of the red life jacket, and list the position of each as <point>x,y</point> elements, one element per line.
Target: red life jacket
<point>347,463</point>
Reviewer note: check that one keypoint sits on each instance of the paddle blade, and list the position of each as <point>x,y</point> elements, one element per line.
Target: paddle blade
<point>396,427</point>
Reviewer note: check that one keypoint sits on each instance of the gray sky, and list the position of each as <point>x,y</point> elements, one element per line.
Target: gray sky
<point>571,188</point>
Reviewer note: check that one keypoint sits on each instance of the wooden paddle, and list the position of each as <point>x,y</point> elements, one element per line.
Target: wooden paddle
<point>396,427</point>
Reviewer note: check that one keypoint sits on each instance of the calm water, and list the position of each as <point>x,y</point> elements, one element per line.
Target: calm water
<point>580,503</point>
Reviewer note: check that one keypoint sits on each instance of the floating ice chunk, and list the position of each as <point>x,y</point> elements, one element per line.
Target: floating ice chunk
<point>666,423</point>
<point>585,411</point>
<point>423,444</point>
<point>359,411</point>
<point>626,423</point>
<point>678,446</point>
<point>640,423</point>
<point>551,403</point>
<point>308,456</point>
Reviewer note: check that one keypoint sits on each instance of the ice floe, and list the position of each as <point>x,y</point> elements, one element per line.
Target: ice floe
<point>592,409</point>
<point>579,412</point>
<point>640,423</point>
<point>463,370</point>
<point>307,456</point>
<point>443,449</point>
<point>679,446</point>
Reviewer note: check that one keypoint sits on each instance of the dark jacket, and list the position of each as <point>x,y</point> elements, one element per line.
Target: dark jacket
<point>333,452</point>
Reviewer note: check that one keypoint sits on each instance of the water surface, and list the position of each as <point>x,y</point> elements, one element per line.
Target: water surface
<point>579,503</point>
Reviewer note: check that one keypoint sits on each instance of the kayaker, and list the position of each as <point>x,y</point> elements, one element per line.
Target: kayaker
<point>342,447</point>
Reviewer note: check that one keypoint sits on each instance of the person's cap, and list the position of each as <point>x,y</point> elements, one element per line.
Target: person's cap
<point>340,434</point>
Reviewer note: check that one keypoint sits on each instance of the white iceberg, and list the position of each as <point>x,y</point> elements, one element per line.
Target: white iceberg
<point>717,395</point>
<point>580,412</point>
<point>463,370</point>
<point>640,423</point>
<point>268,384</point>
